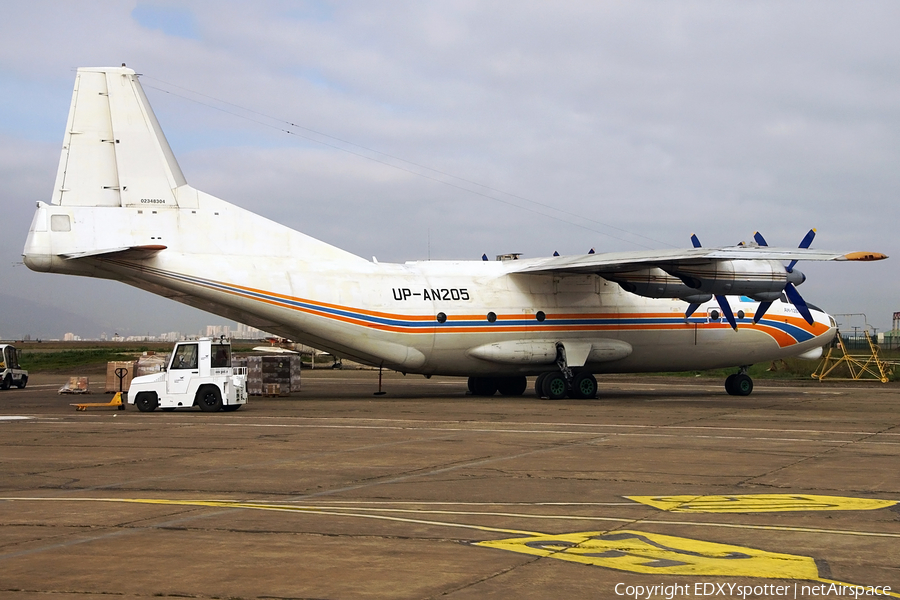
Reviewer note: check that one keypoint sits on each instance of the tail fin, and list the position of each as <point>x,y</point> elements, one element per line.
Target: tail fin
<point>114,151</point>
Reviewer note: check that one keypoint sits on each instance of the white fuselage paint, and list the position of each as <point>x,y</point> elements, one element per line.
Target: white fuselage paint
<point>229,261</point>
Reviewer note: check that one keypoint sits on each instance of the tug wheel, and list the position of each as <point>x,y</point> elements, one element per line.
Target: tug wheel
<point>209,399</point>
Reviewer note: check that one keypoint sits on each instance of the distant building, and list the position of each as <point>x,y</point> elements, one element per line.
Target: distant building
<point>214,331</point>
<point>245,332</point>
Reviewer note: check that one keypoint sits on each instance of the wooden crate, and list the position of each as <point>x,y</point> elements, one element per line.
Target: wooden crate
<point>272,389</point>
<point>112,381</point>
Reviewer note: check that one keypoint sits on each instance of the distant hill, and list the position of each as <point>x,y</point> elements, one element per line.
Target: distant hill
<point>19,318</point>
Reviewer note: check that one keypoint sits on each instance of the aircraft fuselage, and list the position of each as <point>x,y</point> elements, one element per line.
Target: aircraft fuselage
<point>431,317</point>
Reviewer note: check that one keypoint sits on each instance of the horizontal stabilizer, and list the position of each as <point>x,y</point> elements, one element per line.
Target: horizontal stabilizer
<point>129,252</point>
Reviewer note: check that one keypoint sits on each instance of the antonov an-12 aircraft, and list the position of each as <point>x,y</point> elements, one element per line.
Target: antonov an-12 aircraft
<point>121,209</point>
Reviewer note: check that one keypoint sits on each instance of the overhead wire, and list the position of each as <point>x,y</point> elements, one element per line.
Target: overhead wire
<point>292,127</point>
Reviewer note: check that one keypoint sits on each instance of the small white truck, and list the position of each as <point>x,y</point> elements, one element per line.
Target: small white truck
<point>10,372</point>
<point>200,374</point>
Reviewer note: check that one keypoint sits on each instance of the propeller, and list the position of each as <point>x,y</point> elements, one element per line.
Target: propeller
<point>789,289</point>
<point>722,300</point>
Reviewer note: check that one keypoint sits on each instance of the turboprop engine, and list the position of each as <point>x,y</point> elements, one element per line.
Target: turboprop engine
<point>656,283</point>
<point>762,280</point>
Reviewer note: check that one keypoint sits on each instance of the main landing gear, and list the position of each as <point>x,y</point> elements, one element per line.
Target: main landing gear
<point>555,386</point>
<point>552,385</point>
<point>507,386</point>
<point>739,384</point>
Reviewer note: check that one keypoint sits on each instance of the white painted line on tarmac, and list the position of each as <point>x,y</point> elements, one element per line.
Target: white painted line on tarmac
<point>660,429</point>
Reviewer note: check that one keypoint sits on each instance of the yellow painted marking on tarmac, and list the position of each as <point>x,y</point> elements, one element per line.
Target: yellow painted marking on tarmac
<point>653,553</point>
<point>642,552</point>
<point>623,550</point>
<point>747,503</point>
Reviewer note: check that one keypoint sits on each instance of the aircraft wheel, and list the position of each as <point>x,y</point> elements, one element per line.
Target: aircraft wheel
<point>584,386</point>
<point>512,386</point>
<point>741,384</point>
<point>471,384</point>
<point>22,382</point>
<point>146,401</point>
<point>539,385</point>
<point>729,383</point>
<point>209,399</point>
<point>484,386</point>
<point>555,386</point>
<point>6,383</point>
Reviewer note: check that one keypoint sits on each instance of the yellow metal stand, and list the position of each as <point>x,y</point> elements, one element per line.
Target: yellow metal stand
<point>116,401</point>
<point>859,365</point>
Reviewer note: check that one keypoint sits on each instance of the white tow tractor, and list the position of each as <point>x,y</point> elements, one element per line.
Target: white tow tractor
<point>199,374</point>
<point>10,372</point>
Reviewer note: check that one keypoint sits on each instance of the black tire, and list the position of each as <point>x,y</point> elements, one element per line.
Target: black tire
<point>6,383</point>
<point>555,386</point>
<point>539,385</point>
<point>484,386</point>
<point>512,386</point>
<point>742,385</point>
<point>584,387</point>
<point>22,382</point>
<point>471,385</point>
<point>209,399</point>
<point>729,384</point>
<point>231,407</point>
<point>146,401</point>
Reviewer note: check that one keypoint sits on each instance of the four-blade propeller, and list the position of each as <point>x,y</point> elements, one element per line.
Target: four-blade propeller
<point>794,278</point>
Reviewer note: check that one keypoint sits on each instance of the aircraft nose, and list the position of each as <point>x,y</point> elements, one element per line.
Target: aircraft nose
<point>829,321</point>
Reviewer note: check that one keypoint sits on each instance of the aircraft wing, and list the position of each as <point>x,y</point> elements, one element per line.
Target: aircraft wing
<point>611,262</point>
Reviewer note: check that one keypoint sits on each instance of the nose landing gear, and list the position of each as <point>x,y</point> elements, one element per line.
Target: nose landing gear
<point>739,384</point>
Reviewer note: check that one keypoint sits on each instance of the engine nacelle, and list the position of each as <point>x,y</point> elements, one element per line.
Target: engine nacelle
<point>762,280</point>
<point>656,283</point>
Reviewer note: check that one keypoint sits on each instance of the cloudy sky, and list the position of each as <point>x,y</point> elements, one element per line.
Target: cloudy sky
<point>416,130</point>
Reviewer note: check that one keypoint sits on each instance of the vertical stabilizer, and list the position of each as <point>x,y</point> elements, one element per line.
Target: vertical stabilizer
<point>114,152</point>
